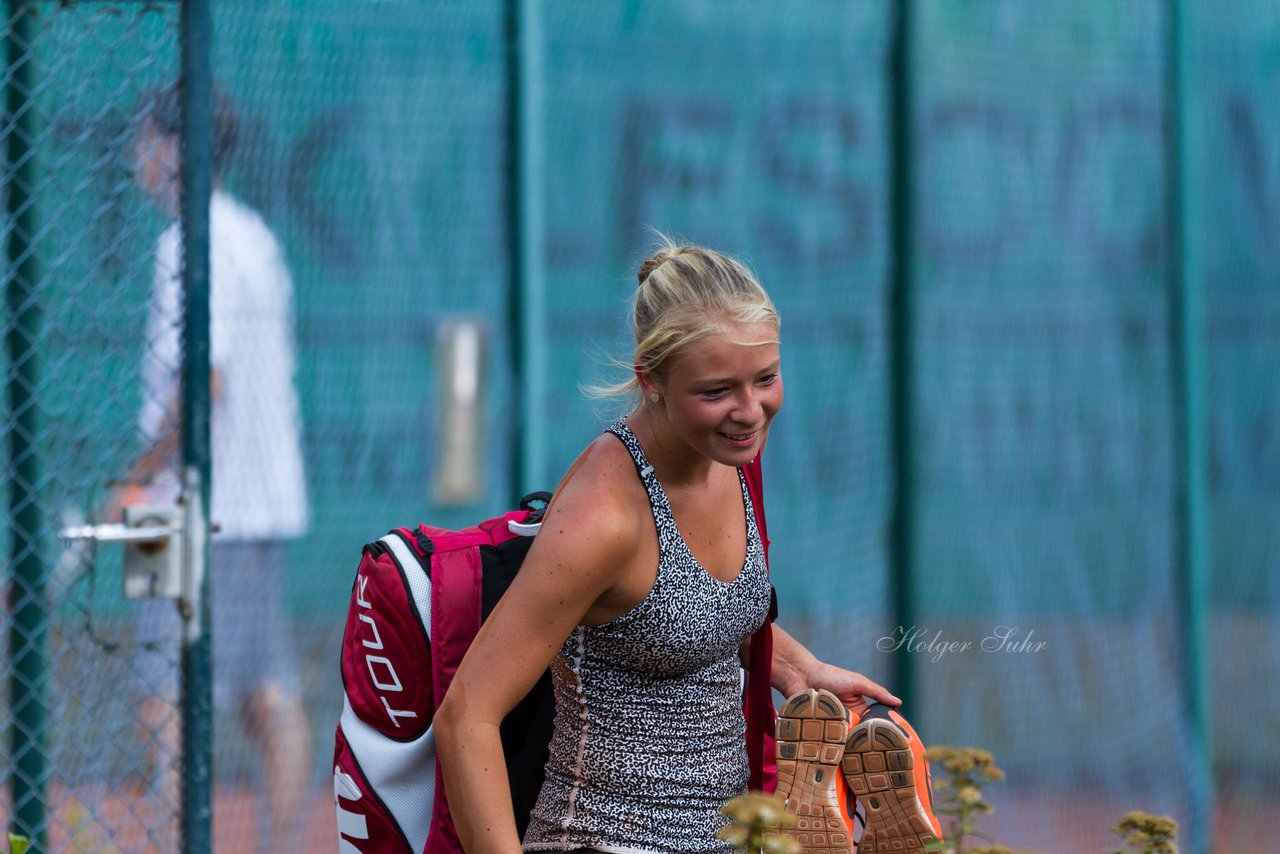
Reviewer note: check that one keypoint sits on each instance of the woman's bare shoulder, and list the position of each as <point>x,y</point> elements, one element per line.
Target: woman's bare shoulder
<point>602,487</point>
<point>589,533</point>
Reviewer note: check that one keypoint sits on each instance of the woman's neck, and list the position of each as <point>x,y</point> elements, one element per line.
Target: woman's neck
<point>676,464</point>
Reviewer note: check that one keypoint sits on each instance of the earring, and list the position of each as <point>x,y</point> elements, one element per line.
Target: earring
<point>654,397</point>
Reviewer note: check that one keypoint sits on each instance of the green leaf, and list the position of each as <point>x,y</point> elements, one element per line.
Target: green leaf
<point>18,844</point>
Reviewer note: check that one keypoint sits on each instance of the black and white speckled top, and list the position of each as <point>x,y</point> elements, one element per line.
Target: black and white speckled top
<point>649,733</point>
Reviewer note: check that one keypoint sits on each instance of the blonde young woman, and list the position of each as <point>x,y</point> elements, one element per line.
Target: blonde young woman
<point>640,591</point>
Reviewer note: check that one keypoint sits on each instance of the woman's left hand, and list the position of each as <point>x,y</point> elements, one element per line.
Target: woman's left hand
<point>852,688</point>
<point>795,669</point>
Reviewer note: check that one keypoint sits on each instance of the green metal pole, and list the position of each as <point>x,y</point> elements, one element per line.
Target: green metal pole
<point>197,187</point>
<point>28,602</point>
<point>902,344</point>
<point>1187,325</point>
<point>527,319</point>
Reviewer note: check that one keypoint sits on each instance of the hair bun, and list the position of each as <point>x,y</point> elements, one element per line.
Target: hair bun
<point>655,261</point>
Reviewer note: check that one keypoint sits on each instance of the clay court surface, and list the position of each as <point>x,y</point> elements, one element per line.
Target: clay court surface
<point>125,823</point>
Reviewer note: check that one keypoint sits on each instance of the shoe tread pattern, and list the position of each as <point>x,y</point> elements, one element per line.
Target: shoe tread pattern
<point>880,770</point>
<point>811,730</point>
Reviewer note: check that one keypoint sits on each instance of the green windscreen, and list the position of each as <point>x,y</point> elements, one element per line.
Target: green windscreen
<point>1043,256</point>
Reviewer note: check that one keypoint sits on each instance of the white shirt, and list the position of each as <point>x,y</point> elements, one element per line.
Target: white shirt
<point>258,484</point>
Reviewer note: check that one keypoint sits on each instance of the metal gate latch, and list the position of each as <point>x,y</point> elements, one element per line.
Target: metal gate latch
<point>153,538</point>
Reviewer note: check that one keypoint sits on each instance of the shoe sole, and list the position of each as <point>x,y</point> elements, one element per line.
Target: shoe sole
<point>880,769</point>
<point>811,734</point>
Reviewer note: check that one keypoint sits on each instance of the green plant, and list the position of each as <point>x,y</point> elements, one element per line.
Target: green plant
<point>959,797</point>
<point>1145,833</point>
<point>757,825</point>
<point>18,844</point>
<point>959,792</point>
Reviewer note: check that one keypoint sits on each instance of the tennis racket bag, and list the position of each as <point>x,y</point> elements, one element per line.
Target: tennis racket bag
<point>418,599</point>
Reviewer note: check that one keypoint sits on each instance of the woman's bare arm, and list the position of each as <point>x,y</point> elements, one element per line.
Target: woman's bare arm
<point>587,537</point>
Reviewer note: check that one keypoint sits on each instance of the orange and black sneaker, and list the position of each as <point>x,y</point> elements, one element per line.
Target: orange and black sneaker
<point>811,730</point>
<point>884,767</point>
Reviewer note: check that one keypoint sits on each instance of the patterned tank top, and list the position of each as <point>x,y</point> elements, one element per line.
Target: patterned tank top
<point>649,738</point>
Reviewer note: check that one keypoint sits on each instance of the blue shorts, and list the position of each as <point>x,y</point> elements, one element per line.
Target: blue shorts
<point>251,641</point>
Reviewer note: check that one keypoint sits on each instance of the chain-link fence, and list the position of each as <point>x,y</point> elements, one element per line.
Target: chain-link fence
<point>1019,179</point>
<point>83,767</point>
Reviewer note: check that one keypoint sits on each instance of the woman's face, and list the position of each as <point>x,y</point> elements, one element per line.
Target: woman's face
<point>722,392</point>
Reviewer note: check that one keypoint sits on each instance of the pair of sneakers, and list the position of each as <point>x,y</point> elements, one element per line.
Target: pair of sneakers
<point>857,785</point>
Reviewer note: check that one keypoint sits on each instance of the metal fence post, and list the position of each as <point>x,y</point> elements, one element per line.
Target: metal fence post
<point>527,305</point>
<point>197,186</point>
<point>28,600</point>
<point>1190,416</point>
<point>902,343</point>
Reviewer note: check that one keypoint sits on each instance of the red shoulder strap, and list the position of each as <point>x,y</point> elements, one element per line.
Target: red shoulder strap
<point>455,620</point>
<point>759,702</point>
<point>457,576</point>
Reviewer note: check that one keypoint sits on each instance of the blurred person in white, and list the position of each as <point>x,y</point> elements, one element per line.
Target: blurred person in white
<point>258,486</point>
